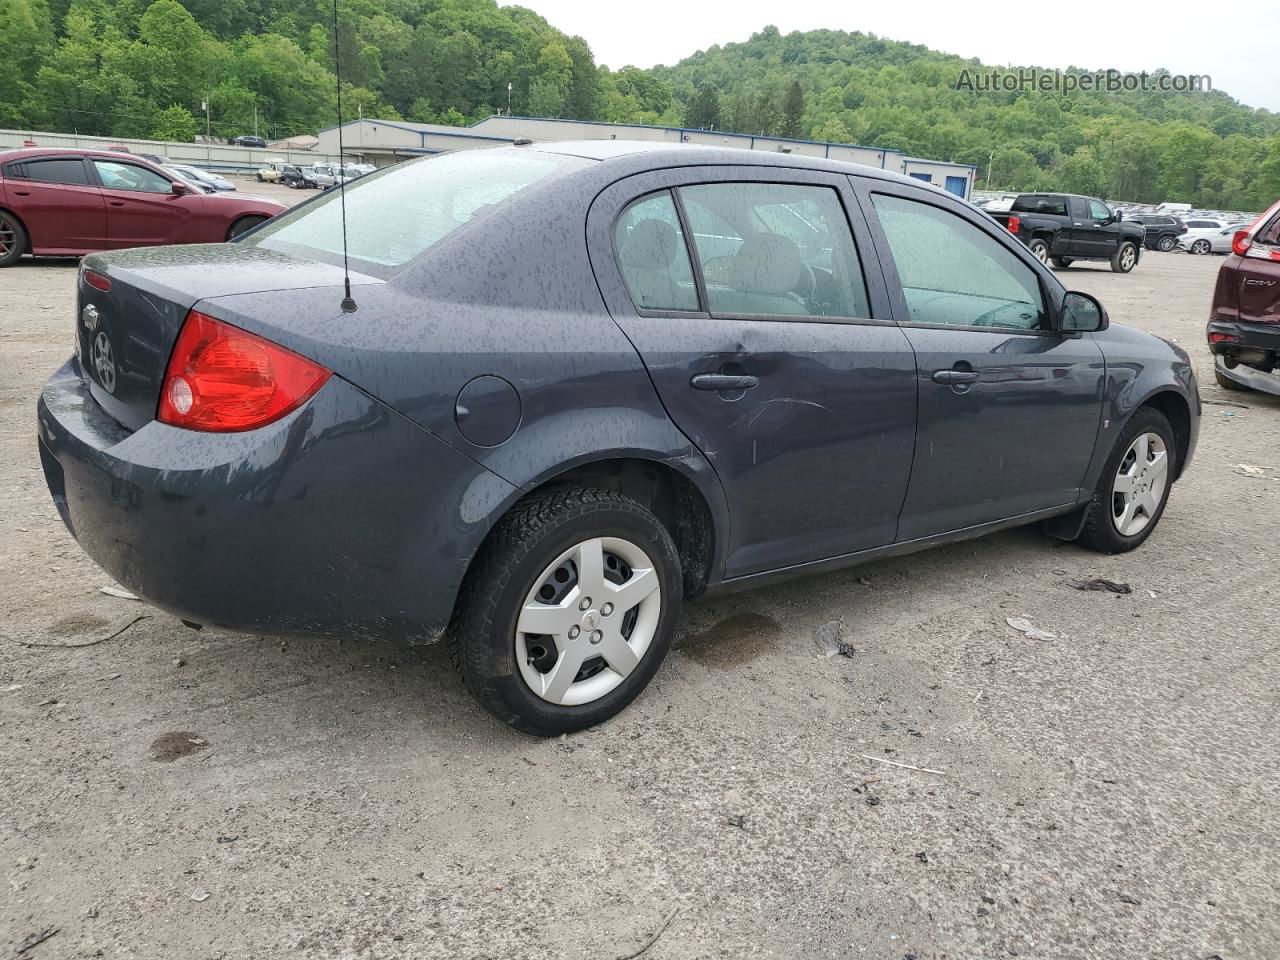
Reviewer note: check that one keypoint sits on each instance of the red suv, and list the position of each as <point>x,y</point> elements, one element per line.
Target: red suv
<point>59,202</point>
<point>1244,324</point>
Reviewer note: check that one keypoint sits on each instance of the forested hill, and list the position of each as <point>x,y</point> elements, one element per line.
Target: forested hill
<point>142,68</point>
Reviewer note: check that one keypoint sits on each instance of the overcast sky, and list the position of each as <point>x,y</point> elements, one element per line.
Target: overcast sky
<point>1237,44</point>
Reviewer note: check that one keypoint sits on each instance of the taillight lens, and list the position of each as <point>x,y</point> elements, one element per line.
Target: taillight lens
<point>97,280</point>
<point>1240,243</point>
<point>1015,224</point>
<point>224,379</point>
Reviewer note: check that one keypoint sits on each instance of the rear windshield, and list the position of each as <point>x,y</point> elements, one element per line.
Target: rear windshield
<point>397,214</point>
<point>1034,203</point>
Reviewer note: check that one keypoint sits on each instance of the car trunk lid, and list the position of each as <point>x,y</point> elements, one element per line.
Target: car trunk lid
<point>132,303</point>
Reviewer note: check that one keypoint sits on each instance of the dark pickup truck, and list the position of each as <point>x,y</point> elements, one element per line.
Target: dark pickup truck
<point>1061,228</point>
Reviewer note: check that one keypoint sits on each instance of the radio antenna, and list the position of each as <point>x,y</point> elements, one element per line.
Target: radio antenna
<point>348,304</point>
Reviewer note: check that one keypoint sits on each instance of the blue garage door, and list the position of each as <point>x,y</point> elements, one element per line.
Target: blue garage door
<point>956,185</point>
<point>923,176</point>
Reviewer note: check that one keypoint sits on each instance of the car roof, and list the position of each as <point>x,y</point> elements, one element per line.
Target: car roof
<point>641,155</point>
<point>69,151</point>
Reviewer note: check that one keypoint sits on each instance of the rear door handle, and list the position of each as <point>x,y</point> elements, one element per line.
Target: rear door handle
<point>724,381</point>
<point>117,203</point>
<point>955,376</point>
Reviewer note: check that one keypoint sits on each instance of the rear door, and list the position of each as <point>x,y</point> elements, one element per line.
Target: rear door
<point>1008,408</point>
<point>762,318</point>
<point>57,200</point>
<point>142,209</point>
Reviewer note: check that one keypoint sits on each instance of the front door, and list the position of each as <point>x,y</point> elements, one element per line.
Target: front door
<point>1009,409</point>
<point>771,348</point>
<point>142,209</point>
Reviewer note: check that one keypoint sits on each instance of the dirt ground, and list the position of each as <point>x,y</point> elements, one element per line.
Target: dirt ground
<point>1110,793</point>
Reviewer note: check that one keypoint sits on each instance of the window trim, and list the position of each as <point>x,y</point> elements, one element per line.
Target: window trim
<point>616,254</point>
<point>865,188</point>
<point>22,164</point>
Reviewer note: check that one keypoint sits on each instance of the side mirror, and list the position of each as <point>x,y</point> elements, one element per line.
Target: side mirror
<point>1081,313</point>
<point>178,188</point>
<point>1117,215</point>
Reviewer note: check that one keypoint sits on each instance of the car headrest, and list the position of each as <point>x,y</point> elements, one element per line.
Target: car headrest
<point>766,263</point>
<point>651,245</point>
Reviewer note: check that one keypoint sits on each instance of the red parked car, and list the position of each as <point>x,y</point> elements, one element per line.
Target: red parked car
<point>60,202</point>
<point>1244,324</point>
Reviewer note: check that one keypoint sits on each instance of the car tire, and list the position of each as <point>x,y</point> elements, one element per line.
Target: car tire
<point>1166,244</point>
<point>13,239</point>
<point>244,225</point>
<point>1226,383</point>
<point>1201,248</point>
<point>1124,259</point>
<point>532,560</point>
<point>1039,249</point>
<point>1061,263</point>
<point>1110,525</point>
<point>260,180</point>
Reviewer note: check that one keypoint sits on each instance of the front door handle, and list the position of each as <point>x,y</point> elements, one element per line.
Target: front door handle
<point>724,381</point>
<point>955,376</point>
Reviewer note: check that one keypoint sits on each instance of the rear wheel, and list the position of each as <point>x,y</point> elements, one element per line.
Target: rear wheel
<point>260,180</point>
<point>1123,260</point>
<point>1062,262</point>
<point>13,239</point>
<point>1134,487</point>
<point>1226,383</point>
<point>1166,244</point>
<point>568,611</point>
<point>1201,248</point>
<point>243,225</point>
<point>1039,249</point>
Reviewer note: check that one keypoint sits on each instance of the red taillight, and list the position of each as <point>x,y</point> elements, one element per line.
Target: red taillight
<point>1015,224</point>
<point>97,280</point>
<point>1240,243</point>
<point>224,379</point>
<point>1222,338</point>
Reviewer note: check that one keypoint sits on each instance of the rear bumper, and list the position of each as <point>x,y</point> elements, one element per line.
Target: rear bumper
<point>1249,377</point>
<point>342,519</point>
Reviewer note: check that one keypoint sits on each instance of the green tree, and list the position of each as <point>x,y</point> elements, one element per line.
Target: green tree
<point>704,109</point>
<point>173,123</point>
<point>793,111</point>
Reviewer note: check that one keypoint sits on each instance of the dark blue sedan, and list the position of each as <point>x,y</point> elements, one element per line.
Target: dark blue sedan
<point>579,383</point>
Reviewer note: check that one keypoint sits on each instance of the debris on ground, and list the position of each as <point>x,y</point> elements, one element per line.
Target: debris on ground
<point>922,856</point>
<point>653,937</point>
<point>1103,585</point>
<point>121,592</point>
<point>1249,470</point>
<point>1132,901</point>
<point>12,687</point>
<point>1226,403</point>
<point>829,640</point>
<point>200,894</point>
<point>1025,626</point>
<point>905,766</point>
<point>35,940</point>
<point>120,628</point>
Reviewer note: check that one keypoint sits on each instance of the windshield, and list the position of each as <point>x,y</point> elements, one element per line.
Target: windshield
<point>397,214</point>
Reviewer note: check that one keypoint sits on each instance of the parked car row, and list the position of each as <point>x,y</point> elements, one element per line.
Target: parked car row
<point>65,202</point>
<point>320,174</point>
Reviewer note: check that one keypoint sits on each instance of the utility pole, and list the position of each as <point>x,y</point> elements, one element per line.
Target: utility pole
<point>255,118</point>
<point>508,98</point>
<point>989,159</point>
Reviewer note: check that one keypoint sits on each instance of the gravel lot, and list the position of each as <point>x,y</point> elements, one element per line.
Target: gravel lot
<point>1112,793</point>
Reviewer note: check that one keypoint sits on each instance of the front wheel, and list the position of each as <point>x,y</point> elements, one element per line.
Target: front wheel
<point>568,610</point>
<point>1039,249</point>
<point>1200,248</point>
<point>1134,487</point>
<point>1124,259</point>
<point>1166,244</point>
<point>1062,262</point>
<point>243,225</point>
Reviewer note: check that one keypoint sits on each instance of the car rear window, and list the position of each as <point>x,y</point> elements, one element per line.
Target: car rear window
<point>398,214</point>
<point>1035,203</point>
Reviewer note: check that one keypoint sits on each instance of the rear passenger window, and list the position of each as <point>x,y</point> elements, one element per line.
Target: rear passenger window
<point>771,249</point>
<point>64,170</point>
<point>952,272</point>
<point>653,255</point>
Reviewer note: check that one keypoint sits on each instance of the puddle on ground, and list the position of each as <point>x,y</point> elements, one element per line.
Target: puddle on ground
<point>76,624</point>
<point>176,745</point>
<point>734,640</point>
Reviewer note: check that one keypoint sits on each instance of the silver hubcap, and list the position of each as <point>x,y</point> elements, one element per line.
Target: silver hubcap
<point>1139,484</point>
<point>1202,247</point>
<point>8,239</point>
<point>1126,258</point>
<point>588,621</point>
<point>1040,252</point>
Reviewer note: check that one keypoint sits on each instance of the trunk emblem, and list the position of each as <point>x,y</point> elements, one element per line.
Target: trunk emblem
<point>90,317</point>
<point>104,363</point>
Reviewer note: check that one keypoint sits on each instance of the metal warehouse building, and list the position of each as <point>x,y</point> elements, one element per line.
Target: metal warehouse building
<point>382,142</point>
